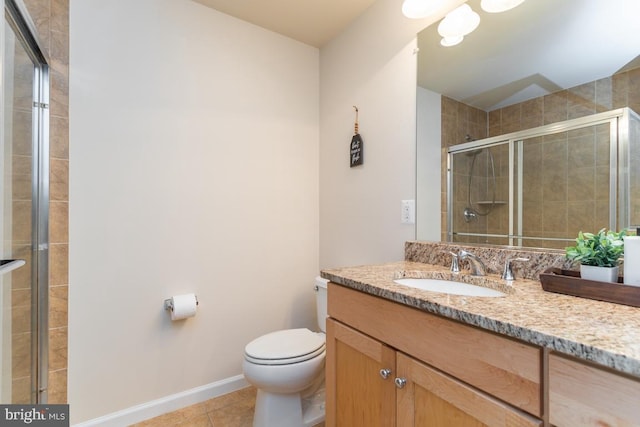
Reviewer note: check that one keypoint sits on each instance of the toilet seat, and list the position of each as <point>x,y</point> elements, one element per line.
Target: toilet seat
<point>285,347</point>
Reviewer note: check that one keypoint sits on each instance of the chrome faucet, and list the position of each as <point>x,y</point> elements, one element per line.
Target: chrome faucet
<point>507,273</point>
<point>475,264</point>
<point>455,266</point>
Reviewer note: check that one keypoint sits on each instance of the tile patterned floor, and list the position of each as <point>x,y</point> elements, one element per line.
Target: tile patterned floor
<point>231,410</point>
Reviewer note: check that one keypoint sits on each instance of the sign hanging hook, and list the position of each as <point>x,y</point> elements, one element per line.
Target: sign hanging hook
<point>355,127</point>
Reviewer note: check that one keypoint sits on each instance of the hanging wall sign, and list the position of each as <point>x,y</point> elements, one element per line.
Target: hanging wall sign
<point>356,150</point>
<point>356,146</point>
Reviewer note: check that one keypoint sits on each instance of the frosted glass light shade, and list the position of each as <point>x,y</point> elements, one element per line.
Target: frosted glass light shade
<point>459,22</point>
<point>451,41</point>
<point>497,6</point>
<point>418,9</point>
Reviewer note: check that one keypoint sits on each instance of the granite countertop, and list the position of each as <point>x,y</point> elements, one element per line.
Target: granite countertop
<point>601,332</point>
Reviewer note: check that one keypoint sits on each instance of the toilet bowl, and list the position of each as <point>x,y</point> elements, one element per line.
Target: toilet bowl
<point>287,368</point>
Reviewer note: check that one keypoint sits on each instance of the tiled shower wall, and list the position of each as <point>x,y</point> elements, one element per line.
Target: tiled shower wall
<point>51,18</point>
<point>458,121</point>
<point>620,90</point>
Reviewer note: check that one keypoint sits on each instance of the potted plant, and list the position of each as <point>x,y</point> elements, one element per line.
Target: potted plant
<point>598,254</point>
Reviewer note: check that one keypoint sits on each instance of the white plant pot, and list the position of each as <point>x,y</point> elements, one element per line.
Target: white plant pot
<point>599,274</point>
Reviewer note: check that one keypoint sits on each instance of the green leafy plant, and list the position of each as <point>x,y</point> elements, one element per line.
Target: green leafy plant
<point>603,249</point>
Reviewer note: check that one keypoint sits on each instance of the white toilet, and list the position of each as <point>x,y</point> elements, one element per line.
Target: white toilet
<point>287,368</point>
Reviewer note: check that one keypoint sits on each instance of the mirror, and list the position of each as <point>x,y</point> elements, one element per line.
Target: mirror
<point>543,63</point>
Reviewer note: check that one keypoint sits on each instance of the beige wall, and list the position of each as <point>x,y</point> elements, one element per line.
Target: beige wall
<point>161,202</point>
<point>372,64</point>
<point>195,169</point>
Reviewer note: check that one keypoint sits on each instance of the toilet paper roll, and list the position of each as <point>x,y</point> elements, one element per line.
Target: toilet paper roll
<point>183,306</point>
<point>632,260</point>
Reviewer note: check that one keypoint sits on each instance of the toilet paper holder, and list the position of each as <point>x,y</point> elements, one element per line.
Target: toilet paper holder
<point>168,303</point>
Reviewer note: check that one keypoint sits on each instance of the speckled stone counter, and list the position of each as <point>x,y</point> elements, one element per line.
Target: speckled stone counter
<point>604,333</point>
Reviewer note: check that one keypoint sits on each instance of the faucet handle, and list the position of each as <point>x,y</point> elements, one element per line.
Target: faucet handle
<point>507,273</point>
<point>455,265</point>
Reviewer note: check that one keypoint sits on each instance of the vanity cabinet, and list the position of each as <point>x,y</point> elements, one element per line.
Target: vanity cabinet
<point>438,372</point>
<point>355,363</point>
<point>586,395</point>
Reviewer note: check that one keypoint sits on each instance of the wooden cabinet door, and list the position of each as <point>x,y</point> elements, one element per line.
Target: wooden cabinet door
<point>499,366</point>
<point>584,395</point>
<point>357,395</point>
<point>430,398</point>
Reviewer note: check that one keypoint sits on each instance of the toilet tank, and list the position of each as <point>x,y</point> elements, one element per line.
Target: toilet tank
<point>321,302</point>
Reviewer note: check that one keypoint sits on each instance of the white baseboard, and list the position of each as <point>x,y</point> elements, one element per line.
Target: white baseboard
<point>157,407</point>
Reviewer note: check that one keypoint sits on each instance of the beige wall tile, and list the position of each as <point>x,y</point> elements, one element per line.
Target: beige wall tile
<point>40,12</point>
<point>532,114</point>
<point>21,211</point>
<point>582,217</point>
<point>58,386</point>
<point>59,137</point>
<point>58,300</point>
<point>20,319</point>
<point>58,348</point>
<point>581,100</point>
<point>21,390</point>
<point>554,217</point>
<point>21,355</point>
<point>60,16</point>
<point>620,90</point>
<point>58,222</point>
<point>532,218</point>
<point>59,180</point>
<point>20,297</point>
<point>60,52</point>
<point>604,95</point>
<point>21,278</point>
<point>58,264</point>
<point>59,93</point>
<point>581,184</point>
<point>555,107</point>
<point>21,133</point>
<point>21,177</point>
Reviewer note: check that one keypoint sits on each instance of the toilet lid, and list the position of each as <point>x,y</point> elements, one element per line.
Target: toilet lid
<point>284,347</point>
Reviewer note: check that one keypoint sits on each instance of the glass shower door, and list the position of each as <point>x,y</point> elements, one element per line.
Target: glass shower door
<point>480,195</point>
<point>23,217</point>
<point>566,185</point>
<point>544,185</point>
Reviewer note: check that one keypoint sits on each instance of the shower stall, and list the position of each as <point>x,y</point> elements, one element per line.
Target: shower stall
<point>540,187</point>
<point>24,202</point>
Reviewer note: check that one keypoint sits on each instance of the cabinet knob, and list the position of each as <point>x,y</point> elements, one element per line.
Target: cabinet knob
<point>384,373</point>
<point>400,382</point>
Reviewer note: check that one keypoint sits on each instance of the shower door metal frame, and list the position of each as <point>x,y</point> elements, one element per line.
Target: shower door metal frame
<point>618,120</point>
<point>17,16</point>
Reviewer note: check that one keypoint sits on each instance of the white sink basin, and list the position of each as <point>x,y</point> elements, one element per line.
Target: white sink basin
<point>449,287</point>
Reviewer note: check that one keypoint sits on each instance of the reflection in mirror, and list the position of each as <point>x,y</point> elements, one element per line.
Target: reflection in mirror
<point>542,64</point>
<point>540,187</point>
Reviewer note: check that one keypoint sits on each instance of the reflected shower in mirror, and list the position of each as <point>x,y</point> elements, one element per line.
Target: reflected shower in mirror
<point>539,187</point>
<point>541,64</point>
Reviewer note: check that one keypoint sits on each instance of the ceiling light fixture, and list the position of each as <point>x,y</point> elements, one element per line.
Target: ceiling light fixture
<point>497,6</point>
<point>451,41</point>
<point>457,24</point>
<point>418,9</point>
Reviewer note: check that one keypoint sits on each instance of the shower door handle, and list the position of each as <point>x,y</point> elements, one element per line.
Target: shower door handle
<point>7,265</point>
